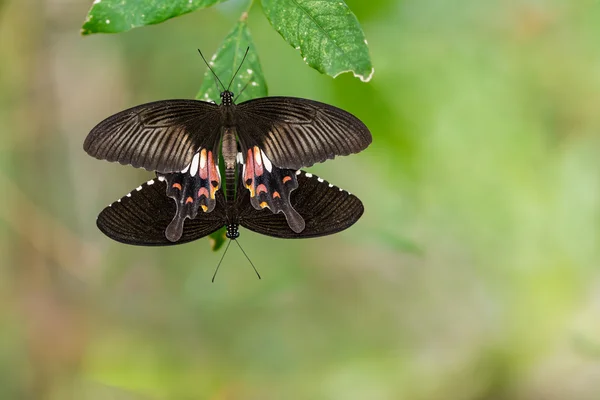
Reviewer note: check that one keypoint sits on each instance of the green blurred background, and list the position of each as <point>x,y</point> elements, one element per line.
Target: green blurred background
<point>473,273</point>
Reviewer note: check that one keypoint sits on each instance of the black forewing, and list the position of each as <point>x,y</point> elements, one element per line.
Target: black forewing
<point>326,210</point>
<point>160,136</point>
<point>142,217</point>
<point>296,133</point>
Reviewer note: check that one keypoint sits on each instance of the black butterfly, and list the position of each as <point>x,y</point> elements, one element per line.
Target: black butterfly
<point>144,215</point>
<point>261,142</point>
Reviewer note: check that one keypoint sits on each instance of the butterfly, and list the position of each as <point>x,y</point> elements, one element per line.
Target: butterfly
<point>143,216</point>
<point>262,141</point>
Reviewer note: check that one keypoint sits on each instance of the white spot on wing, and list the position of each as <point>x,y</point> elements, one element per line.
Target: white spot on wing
<point>194,167</point>
<point>128,194</point>
<point>308,175</point>
<point>320,179</point>
<point>185,169</point>
<point>298,172</point>
<point>138,188</point>
<point>257,157</point>
<point>240,158</point>
<point>161,178</point>
<point>202,159</point>
<point>150,182</point>
<point>330,185</point>
<point>266,161</point>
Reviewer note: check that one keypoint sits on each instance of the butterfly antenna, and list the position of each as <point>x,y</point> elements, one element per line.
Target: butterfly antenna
<point>238,70</point>
<point>241,91</point>
<point>219,264</point>
<point>211,70</point>
<point>248,258</point>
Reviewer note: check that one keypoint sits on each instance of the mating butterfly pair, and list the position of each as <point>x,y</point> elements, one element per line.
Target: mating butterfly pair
<point>264,142</point>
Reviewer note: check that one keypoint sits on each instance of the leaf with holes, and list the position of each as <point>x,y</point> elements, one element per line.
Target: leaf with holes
<point>326,32</point>
<point>225,63</point>
<point>112,16</point>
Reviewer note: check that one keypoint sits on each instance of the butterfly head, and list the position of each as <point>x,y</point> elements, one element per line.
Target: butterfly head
<point>226,98</point>
<point>232,231</point>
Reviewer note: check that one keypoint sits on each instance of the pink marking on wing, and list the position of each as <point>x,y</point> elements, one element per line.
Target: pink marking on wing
<point>261,188</point>
<point>203,192</point>
<point>213,175</point>
<point>258,167</point>
<point>203,170</point>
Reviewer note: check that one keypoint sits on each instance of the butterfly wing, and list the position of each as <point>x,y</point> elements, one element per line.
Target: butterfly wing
<point>296,133</point>
<point>160,136</point>
<point>326,209</point>
<point>142,217</point>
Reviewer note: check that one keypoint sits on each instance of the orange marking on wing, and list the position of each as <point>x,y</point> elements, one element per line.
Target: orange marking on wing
<point>203,166</point>
<point>276,194</point>
<point>189,200</point>
<point>286,179</point>
<point>261,188</point>
<point>204,207</point>
<point>264,204</point>
<point>258,168</point>
<point>177,186</point>
<point>202,192</point>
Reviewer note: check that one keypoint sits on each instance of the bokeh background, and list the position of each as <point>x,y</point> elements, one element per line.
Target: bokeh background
<point>473,274</point>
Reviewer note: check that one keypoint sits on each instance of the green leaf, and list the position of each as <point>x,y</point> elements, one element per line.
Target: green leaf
<point>112,16</point>
<point>326,32</point>
<point>217,238</point>
<point>225,63</point>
